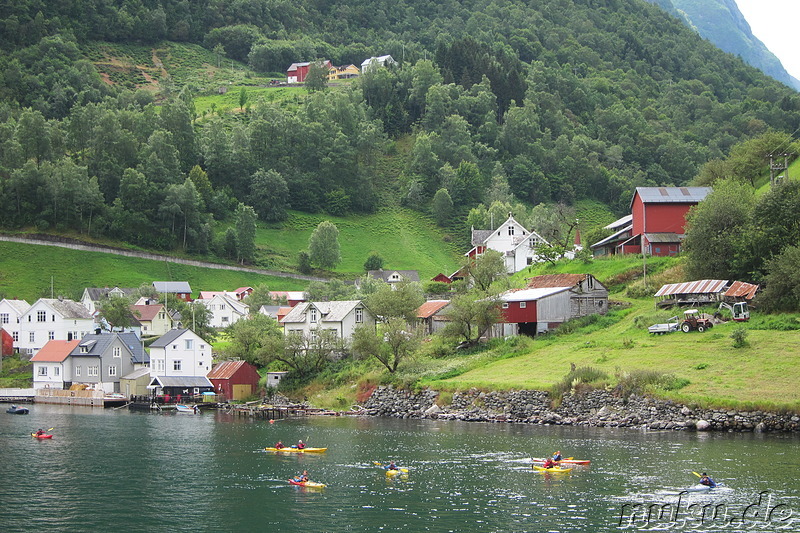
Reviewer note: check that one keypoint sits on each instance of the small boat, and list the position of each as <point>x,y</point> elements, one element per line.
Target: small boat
<point>569,461</point>
<point>187,409</point>
<point>699,488</point>
<point>307,484</point>
<point>295,450</point>
<point>554,469</point>
<point>14,410</point>
<point>42,436</point>
<point>397,472</point>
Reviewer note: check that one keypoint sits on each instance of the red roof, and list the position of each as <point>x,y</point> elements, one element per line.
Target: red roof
<point>740,289</point>
<point>430,308</point>
<point>147,312</point>
<point>226,369</point>
<point>555,280</point>
<point>55,351</point>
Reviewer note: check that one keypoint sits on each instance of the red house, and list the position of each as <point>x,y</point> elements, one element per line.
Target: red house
<point>659,219</point>
<point>297,72</point>
<point>236,380</point>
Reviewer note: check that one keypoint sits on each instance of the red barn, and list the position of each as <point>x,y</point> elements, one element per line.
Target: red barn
<point>297,72</point>
<point>659,218</point>
<point>236,380</point>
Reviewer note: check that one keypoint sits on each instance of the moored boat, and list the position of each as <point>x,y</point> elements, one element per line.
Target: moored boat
<point>14,410</point>
<point>187,409</point>
<point>295,450</point>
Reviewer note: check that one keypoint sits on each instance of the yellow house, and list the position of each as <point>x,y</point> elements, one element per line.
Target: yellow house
<point>344,72</point>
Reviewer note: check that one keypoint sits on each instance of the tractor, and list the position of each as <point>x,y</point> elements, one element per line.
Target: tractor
<point>692,319</point>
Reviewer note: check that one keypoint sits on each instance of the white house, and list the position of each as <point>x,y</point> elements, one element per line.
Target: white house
<point>225,309</point>
<point>93,297</point>
<point>512,240</point>
<point>154,319</point>
<point>180,353</point>
<point>340,316</point>
<point>52,366</point>
<point>374,62</point>
<point>10,313</point>
<point>53,319</point>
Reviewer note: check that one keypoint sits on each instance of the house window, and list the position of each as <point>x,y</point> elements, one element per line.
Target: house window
<point>174,346</point>
<point>590,282</point>
<point>505,305</point>
<point>313,314</point>
<point>56,371</point>
<point>116,351</point>
<point>77,371</point>
<point>224,319</point>
<point>221,307</point>
<point>84,349</point>
<point>41,316</point>
<point>202,346</point>
<point>511,231</point>
<point>189,344</point>
<point>15,336</point>
<point>199,363</point>
<point>3,318</point>
<point>523,305</point>
<point>530,260</point>
<point>359,315</point>
<point>92,371</point>
<point>42,370</point>
<point>51,335</point>
<point>176,364</point>
<point>112,371</point>
<point>32,336</point>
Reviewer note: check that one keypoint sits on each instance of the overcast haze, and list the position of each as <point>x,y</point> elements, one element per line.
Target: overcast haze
<point>775,23</point>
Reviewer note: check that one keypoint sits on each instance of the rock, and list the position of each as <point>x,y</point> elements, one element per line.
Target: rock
<point>702,425</point>
<point>685,411</point>
<point>432,410</point>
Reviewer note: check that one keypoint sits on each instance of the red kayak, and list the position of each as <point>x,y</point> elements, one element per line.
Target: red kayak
<point>307,484</point>
<point>563,461</point>
<point>43,436</point>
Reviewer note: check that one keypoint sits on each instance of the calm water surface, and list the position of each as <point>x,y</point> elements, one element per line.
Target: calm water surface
<point>111,470</point>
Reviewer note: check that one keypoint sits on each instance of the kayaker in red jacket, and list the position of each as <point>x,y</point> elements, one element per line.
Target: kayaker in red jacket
<point>300,445</point>
<point>40,431</point>
<point>550,463</point>
<point>279,446</point>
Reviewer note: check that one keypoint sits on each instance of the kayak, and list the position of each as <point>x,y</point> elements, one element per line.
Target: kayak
<point>563,461</point>
<point>399,471</point>
<point>14,410</point>
<point>307,484</point>
<point>45,436</point>
<point>296,450</point>
<point>699,488</point>
<point>554,469</point>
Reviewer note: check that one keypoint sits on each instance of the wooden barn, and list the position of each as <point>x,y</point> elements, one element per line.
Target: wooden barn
<point>235,380</point>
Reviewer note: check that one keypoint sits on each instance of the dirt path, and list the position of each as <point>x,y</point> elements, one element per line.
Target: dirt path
<point>62,242</point>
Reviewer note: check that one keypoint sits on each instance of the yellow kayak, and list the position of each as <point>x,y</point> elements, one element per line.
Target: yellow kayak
<point>399,471</point>
<point>554,469</point>
<point>307,484</point>
<point>295,450</point>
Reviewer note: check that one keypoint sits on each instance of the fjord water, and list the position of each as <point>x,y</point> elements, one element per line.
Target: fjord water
<point>109,470</point>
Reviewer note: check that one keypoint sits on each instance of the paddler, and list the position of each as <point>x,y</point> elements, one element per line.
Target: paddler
<point>550,463</point>
<point>300,444</point>
<point>557,456</point>
<point>39,432</point>
<point>279,446</point>
<point>707,481</point>
<point>392,466</point>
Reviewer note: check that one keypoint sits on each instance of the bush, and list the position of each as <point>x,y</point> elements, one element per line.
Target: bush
<point>584,374</point>
<point>642,381</point>
<point>783,322</point>
<point>436,287</point>
<point>739,336</point>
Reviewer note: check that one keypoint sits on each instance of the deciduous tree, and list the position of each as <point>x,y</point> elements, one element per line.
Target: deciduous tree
<point>323,245</point>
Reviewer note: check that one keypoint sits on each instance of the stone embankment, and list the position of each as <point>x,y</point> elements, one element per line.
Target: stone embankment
<point>598,408</point>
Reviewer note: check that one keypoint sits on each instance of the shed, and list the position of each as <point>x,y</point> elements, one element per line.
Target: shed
<point>274,379</point>
<point>236,380</point>
<point>704,291</point>
<point>428,313</point>
<point>135,383</point>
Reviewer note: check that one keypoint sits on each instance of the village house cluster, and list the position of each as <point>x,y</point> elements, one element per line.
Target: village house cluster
<point>297,72</point>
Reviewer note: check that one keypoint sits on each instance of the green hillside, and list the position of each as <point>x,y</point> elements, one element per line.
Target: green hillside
<point>27,271</point>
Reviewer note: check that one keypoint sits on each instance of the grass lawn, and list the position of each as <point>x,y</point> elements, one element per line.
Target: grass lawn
<point>406,239</point>
<point>762,375</point>
<point>26,272</point>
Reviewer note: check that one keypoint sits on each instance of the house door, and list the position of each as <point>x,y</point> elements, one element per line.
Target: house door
<point>240,392</point>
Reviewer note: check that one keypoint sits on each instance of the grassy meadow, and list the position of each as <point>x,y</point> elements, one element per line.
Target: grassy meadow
<point>26,271</point>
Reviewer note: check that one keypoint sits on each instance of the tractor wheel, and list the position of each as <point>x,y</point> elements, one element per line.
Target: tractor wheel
<point>686,327</point>
<point>701,328</point>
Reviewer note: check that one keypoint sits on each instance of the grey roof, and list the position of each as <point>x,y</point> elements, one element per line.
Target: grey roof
<point>98,344</point>
<point>136,374</point>
<point>663,237</point>
<point>672,195</point>
<point>96,293</point>
<point>168,337</point>
<point>270,310</point>
<point>20,306</point>
<point>181,381</point>
<point>408,275</point>
<point>172,287</point>
<point>479,236</point>
<point>330,311</point>
<point>68,308</point>
<point>618,236</point>
<point>624,221</point>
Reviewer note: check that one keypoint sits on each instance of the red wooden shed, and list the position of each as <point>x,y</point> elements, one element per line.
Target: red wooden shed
<point>236,380</point>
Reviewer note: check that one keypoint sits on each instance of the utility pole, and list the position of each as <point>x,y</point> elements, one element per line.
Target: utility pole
<point>777,168</point>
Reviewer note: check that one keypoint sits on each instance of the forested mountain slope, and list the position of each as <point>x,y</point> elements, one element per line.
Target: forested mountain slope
<point>721,22</point>
<point>554,101</point>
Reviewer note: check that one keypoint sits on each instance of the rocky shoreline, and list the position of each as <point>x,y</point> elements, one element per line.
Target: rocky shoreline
<point>596,408</point>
